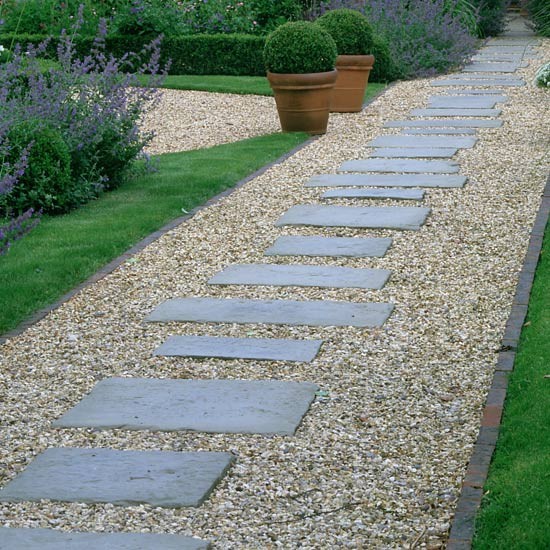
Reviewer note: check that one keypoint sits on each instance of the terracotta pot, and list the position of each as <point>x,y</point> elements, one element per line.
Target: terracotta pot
<point>353,77</point>
<point>303,100</point>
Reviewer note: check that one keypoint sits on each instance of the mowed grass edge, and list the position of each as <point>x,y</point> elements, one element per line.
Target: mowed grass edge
<point>515,510</point>
<point>64,251</point>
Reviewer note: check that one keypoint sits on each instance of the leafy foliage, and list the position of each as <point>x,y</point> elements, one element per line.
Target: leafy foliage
<point>542,76</point>
<point>350,30</point>
<point>492,14</point>
<point>299,47</point>
<point>539,10</point>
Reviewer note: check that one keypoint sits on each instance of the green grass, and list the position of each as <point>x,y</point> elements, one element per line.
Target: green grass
<point>64,251</point>
<point>516,507</point>
<point>257,85</point>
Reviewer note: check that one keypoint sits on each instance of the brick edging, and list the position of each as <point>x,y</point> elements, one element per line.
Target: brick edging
<point>462,528</point>
<point>124,257</point>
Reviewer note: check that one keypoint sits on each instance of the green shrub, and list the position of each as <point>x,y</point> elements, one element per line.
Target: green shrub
<point>492,14</point>
<point>269,14</point>
<point>350,30</point>
<point>46,184</point>
<point>542,76</point>
<point>385,69</point>
<point>539,10</point>
<point>298,48</point>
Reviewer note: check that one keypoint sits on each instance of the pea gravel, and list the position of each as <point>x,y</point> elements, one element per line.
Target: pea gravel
<point>379,459</point>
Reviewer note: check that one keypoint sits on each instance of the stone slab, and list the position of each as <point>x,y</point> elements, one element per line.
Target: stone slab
<point>320,313</point>
<point>494,67</point>
<point>51,539</point>
<point>500,83</point>
<point>211,406</point>
<point>427,141</point>
<point>260,349</point>
<point>301,275</point>
<point>414,152</point>
<point>122,478</point>
<point>395,194</point>
<point>400,165</point>
<point>438,131</point>
<point>476,91</point>
<point>451,112</point>
<point>510,48</point>
<point>348,247</point>
<point>369,217</point>
<point>470,102</point>
<point>445,123</point>
<point>386,180</point>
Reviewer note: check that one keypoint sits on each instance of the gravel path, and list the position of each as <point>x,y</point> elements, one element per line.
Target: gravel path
<point>379,459</point>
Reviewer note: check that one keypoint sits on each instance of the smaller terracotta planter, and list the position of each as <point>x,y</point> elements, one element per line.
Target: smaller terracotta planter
<point>303,100</point>
<point>353,77</point>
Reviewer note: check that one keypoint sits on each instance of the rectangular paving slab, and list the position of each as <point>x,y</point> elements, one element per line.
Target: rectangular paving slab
<point>400,165</point>
<point>261,349</point>
<point>386,180</point>
<point>500,82</point>
<point>496,67</point>
<point>414,152</point>
<point>211,406</point>
<point>301,275</point>
<point>51,539</point>
<point>422,142</point>
<point>123,478</point>
<point>348,247</point>
<point>445,123</point>
<point>436,112</point>
<point>476,91</point>
<point>320,313</point>
<point>472,102</point>
<point>438,131</point>
<point>370,217</point>
<point>394,194</point>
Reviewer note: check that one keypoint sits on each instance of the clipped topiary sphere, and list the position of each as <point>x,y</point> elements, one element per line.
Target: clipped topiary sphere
<point>298,48</point>
<point>350,29</point>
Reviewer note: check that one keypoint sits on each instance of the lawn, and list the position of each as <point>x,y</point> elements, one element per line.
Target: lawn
<point>516,508</point>
<point>65,250</point>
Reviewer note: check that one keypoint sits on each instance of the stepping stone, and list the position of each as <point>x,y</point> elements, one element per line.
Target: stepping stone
<point>501,82</point>
<point>476,91</point>
<point>509,48</point>
<point>386,180</point>
<point>321,313</point>
<point>400,165</point>
<point>371,217</point>
<point>456,112</point>
<point>414,152</point>
<point>396,194</point>
<point>444,123</point>
<point>407,141</point>
<point>438,131</point>
<point>349,247</point>
<point>301,275</point>
<point>123,478</point>
<point>261,349</point>
<point>496,67</point>
<point>51,539</point>
<point>470,102</point>
<point>211,406</point>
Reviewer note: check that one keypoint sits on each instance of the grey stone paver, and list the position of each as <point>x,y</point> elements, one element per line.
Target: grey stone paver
<point>475,91</point>
<point>438,131</point>
<point>500,82</point>
<point>275,312</point>
<point>50,539</point>
<point>260,349</point>
<point>400,165</point>
<point>373,217</point>
<point>495,67</point>
<point>386,180</point>
<point>451,112</point>
<point>395,194</point>
<point>421,141</point>
<point>349,247</point>
<point>510,48</point>
<point>301,275</point>
<point>414,152</point>
<point>445,123</point>
<point>124,478</point>
<point>472,102</point>
<point>211,406</point>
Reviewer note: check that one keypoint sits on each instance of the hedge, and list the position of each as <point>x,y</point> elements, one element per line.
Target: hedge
<point>224,54</point>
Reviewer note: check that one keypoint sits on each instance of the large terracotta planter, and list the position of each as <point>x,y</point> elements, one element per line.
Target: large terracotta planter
<point>353,77</point>
<point>303,100</point>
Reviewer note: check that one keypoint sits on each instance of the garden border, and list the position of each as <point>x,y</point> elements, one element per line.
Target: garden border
<point>469,502</point>
<point>138,247</point>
